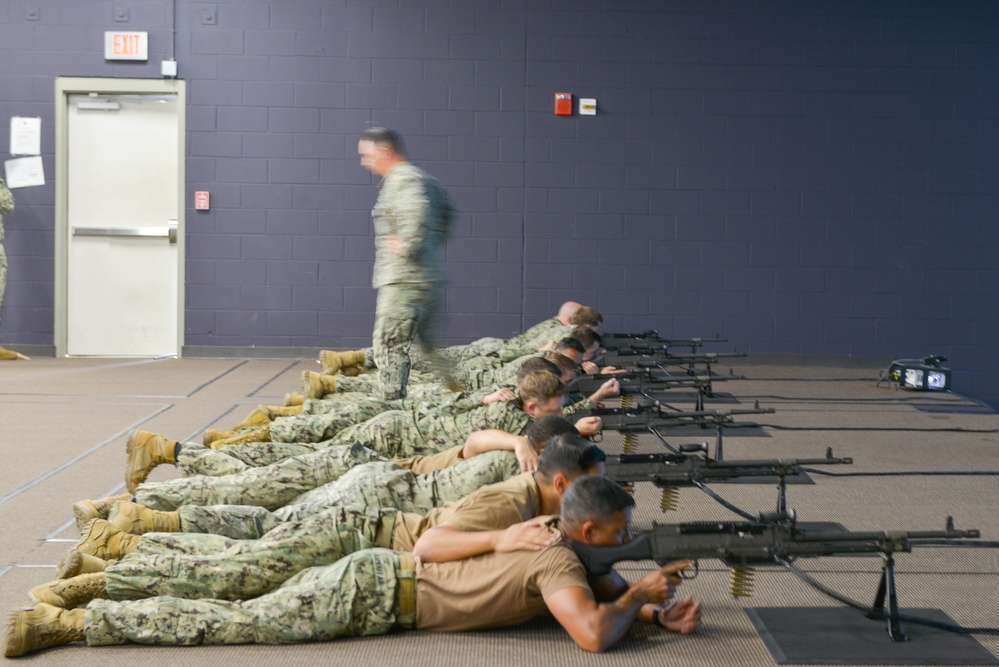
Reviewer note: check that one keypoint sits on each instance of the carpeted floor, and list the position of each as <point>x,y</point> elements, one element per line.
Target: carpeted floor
<point>62,432</point>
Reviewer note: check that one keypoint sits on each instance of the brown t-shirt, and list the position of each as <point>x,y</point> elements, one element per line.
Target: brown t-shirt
<point>421,465</point>
<point>495,589</point>
<point>493,507</point>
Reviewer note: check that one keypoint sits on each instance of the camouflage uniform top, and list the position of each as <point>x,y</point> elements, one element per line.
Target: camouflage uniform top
<point>6,203</point>
<point>412,205</point>
<point>444,428</point>
<point>533,338</point>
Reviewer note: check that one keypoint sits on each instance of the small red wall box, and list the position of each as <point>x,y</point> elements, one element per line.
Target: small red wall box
<point>563,104</point>
<point>201,200</point>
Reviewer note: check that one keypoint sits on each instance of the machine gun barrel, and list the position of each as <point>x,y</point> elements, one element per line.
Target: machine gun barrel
<point>639,380</point>
<point>650,339</point>
<point>671,470</point>
<point>645,416</point>
<point>743,544</point>
<point>627,357</point>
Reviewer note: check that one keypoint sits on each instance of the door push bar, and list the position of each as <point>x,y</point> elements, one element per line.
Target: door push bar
<point>169,232</point>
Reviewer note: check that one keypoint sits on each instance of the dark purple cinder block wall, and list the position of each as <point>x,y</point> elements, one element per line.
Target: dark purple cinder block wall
<point>801,178</point>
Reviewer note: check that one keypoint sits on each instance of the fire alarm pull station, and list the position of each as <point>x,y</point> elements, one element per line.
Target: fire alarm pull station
<point>563,104</point>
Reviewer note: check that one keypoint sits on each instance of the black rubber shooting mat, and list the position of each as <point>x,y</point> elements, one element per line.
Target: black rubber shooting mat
<point>844,636</point>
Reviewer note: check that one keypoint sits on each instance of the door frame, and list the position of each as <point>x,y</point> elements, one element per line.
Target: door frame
<point>64,87</point>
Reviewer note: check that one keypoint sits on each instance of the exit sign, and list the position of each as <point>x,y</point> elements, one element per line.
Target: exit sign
<point>126,46</point>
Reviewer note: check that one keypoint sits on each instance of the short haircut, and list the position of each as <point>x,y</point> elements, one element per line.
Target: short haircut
<point>586,316</point>
<point>546,428</point>
<point>570,343</point>
<point>383,136</point>
<point>570,455</point>
<point>564,363</point>
<point>593,498</point>
<point>534,365</point>
<point>541,386</point>
<point>586,336</point>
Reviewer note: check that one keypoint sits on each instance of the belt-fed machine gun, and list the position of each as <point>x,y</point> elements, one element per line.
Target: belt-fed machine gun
<point>634,359</point>
<point>652,417</point>
<point>650,340</point>
<point>671,471</point>
<point>644,381</point>
<point>775,539</point>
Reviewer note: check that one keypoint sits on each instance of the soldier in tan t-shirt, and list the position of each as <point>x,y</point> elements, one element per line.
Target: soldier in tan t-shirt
<point>210,566</point>
<point>376,590</point>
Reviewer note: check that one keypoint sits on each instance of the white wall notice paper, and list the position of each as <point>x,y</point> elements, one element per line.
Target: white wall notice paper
<point>25,135</point>
<point>24,172</point>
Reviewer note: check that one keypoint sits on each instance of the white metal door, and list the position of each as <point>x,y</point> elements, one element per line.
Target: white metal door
<point>122,200</point>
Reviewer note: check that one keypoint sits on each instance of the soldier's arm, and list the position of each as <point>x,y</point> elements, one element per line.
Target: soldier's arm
<point>488,440</point>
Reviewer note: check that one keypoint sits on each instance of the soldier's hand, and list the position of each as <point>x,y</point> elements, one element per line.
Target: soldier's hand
<point>660,585</point>
<point>531,535</point>
<point>608,389</point>
<point>590,368</point>
<point>683,617</point>
<point>497,396</point>
<point>527,457</point>
<point>394,244</point>
<point>589,426</point>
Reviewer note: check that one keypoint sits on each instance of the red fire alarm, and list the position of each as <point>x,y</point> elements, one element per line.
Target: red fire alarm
<point>201,200</point>
<point>563,104</point>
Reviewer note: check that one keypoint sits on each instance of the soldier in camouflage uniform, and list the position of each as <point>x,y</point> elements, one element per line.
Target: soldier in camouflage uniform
<point>399,433</point>
<point>412,218</point>
<point>6,206</point>
<point>415,485</point>
<point>376,590</point>
<point>199,565</point>
<point>570,315</point>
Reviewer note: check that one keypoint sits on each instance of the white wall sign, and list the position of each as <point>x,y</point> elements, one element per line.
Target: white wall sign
<point>25,135</point>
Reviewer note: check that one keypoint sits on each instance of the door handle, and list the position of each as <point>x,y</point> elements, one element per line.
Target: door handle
<point>169,232</point>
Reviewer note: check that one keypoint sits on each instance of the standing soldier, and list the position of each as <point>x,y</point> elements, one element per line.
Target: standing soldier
<point>412,217</point>
<point>6,206</point>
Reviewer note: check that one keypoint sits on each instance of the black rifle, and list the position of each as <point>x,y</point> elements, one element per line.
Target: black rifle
<point>669,471</point>
<point>643,381</point>
<point>633,359</point>
<point>651,417</point>
<point>774,540</point>
<point>650,340</point>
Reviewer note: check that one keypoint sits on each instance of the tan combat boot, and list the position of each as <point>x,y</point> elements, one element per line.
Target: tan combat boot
<point>337,362</point>
<point>88,510</point>
<point>213,434</point>
<point>6,354</point>
<point>317,385</point>
<point>75,562</point>
<point>41,627</point>
<point>74,592</point>
<point>259,434</point>
<point>99,538</point>
<point>265,414</point>
<point>145,451</point>
<point>294,398</point>
<point>133,518</point>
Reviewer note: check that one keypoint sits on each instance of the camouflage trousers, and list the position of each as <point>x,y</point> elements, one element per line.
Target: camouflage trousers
<point>318,426</point>
<point>354,596</point>
<point>369,485</point>
<point>272,486</point>
<point>405,314</point>
<point>194,565</point>
<point>392,434</point>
